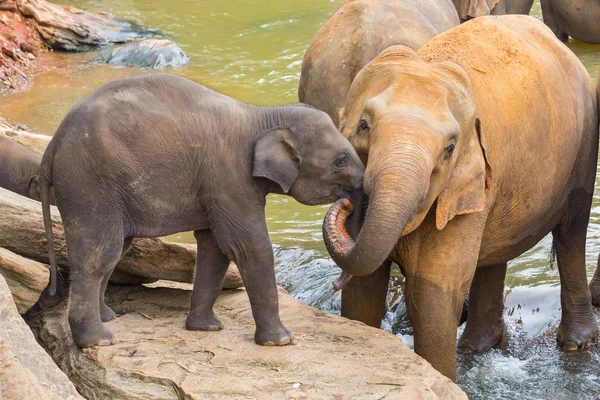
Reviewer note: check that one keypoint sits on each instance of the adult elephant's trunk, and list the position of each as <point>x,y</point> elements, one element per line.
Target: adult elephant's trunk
<point>400,183</point>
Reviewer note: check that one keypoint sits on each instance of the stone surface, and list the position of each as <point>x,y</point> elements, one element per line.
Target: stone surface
<point>26,370</point>
<point>70,29</point>
<point>33,141</point>
<point>155,357</point>
<point>25,278</point>
<point>148,54</point>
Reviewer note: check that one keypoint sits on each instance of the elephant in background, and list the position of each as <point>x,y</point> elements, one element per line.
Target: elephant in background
<point>355,34</point>
<point>468,9</point>
<point>477,146</point>
<point>19,168</point>
<point>579,19</point>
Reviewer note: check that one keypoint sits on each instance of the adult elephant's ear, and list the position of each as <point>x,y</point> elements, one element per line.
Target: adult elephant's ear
<point>276,158</point>
<point>465,191</point>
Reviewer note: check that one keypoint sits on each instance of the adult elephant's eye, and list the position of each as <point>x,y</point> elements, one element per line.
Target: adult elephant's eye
<point>449,150</point>
<point>341,161</point>
<point>363,125</point>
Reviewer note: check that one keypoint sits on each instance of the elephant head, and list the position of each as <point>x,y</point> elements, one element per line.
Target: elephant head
<point>468,9</point>
<point>415,126</point>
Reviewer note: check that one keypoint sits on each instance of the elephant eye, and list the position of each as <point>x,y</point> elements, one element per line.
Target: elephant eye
<point>341,161</point>
<point>448,151</point>
<point>363,125</point>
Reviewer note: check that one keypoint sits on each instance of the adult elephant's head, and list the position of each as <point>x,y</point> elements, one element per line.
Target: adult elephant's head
<point>414,125</point>
<point>468,9</point>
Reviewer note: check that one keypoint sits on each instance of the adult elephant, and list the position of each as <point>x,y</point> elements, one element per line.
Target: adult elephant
<point>468,9</point>
<point>355,34</point>
<point>477,147</point>
<point>577,18</point>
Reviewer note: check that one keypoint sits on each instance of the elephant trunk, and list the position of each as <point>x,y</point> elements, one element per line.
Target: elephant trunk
<point>396,195</point>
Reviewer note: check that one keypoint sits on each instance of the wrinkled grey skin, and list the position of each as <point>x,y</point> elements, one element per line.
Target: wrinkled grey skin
<point>579,19</point>
<point>468,9</point>
<point>355,34</point>
<point>19,168</point>
<point>159,154</point>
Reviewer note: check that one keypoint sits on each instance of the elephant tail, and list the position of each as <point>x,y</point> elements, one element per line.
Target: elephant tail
<point>44,183</point>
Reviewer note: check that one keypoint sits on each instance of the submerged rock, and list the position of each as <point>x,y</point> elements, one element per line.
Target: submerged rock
<point>155,357</point>
<point>148,54</point>
<point>26,370</point>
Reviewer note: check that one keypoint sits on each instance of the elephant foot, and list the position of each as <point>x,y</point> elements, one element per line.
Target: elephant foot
<point>203,322</point>
<point>577,336</point>
<point>280,336</point>
<point>480,339</point>
<point>106,313</point>
<point>98,336</point>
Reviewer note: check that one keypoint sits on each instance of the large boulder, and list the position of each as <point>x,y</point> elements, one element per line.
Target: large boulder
<point>26,370</point>
<point>155,357</point>
<point>147,54</point>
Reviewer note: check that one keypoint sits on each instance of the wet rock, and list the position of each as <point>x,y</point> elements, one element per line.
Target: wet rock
<point>155,357</point>
<point>71,29</point>
<point>26,370</point>
<point>150,259</point>
<point>148,54</point>
<point>25,278</point>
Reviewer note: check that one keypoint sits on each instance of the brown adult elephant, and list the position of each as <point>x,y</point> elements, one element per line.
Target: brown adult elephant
<point>355,34</point>
<point>577,18</point>
<point>468,9</point>
<point>477,147</point>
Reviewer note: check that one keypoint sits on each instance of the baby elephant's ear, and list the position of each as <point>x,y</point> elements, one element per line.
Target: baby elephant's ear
<point>276,158</point>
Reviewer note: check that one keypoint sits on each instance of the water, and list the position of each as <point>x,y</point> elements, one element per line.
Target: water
<point>252,50</point>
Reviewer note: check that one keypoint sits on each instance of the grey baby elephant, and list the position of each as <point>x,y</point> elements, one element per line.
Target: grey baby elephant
<point>159,154</point>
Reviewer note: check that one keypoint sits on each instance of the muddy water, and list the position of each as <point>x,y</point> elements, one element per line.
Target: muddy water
<point>252,49</point>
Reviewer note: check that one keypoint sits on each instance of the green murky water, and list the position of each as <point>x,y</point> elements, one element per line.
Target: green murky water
<point>252,50</point>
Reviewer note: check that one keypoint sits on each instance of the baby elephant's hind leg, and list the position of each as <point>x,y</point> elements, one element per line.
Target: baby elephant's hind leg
<point>578,326</point>
<point>106,313</point>
<point>211,266</point>
<point>93,254</point>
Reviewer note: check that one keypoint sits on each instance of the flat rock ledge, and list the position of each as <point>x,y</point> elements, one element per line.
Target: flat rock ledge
<point>156,358</point>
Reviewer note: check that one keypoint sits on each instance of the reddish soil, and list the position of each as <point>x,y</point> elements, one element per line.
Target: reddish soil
<point>20,43</point>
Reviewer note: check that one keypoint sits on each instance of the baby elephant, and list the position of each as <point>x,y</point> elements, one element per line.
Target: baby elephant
<point>19,167</point>
<point>158,154</point>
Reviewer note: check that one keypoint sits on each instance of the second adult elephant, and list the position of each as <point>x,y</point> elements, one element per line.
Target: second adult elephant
<point>355,34</point>
<point>471,160</point>
<point>579,19</point>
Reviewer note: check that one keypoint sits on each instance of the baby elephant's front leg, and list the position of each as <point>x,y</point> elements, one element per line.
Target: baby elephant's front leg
<point>211,266</point>
<point>258,272</point>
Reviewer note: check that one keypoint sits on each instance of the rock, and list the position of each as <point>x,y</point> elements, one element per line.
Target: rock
<point>26,370</point>
<point>155,357</point>
<point>71,29</point>
<point>22,232</point>
<point>148,54</point>
<point>25,278</point>
<point>33,141</point>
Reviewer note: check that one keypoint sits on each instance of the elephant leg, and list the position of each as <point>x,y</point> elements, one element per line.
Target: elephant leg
<point>578,325</point>
<point>485,323</point>
<point>211,266</point>
<point>552,20</point>
<point>92,258</point>
<point>363,298</point>
<point>595,285</point>
<point>106,313</point>
<point>434,312</point>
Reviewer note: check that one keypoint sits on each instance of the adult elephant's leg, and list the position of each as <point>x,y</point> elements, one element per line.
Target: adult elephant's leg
<point>211,266</point>
<point>485,323</point>
<point>364,297</point>
<point>551,19</point>
<point>93,250</point>
<point>595,285</point>
<point>578,326</point>
<point>106,313</point>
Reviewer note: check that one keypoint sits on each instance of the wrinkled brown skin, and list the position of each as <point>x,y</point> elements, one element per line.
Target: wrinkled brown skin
<point>355,34</point>
<point>579,19</point>
<point>19,168</point>
<point>595,282</point>
<point>468,9</point>
<point>524,121</point>
<point>158,154</point>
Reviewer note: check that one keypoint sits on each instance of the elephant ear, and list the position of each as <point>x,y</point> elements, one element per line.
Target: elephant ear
<point>276,158</point>
<point>465,192</point>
